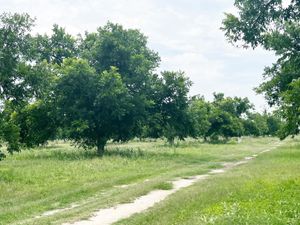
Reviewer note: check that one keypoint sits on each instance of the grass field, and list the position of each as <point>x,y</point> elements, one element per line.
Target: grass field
<point>60,176</point>
<point>265,191</point>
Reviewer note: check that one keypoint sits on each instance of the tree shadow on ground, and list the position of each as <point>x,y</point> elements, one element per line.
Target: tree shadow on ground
<point>57,153</point>
<point>75,154</point>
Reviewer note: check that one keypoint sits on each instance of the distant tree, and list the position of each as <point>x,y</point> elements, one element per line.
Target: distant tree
<point>37,122</point>
<point>174,105</point>
<point>251,128</point>
<point>261,124</point>
<point>92,106</point>
<point>274,123</point>
<point>169,116</point>
<point>274,25</point>
<point>260,121</point>
<point>223,125</point>
<point>199,113</point>
<point>235,106</point>
<point>226,116</point>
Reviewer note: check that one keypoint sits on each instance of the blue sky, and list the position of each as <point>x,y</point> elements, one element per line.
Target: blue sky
<point>186,33</point>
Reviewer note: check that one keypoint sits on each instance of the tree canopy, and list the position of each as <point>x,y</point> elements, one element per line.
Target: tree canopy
<point>91,105</point>
<point>104,86</point>
<point>274,25</point>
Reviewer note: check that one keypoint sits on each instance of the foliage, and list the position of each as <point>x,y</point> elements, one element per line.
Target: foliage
<point>9,131</point>
<point>103,86</point>
<point>91,105</point>
<point>57,47</point>
<point>127,50</point>
<point>291,110</point>
<point>226,116</point>
<point>37,124</point>
<point>199,111</point>
<point>174,104</point>
<point>223,125</point>
<point>22,78</point>
<point>15,47</point>
<point>274,25</point>
<point>124,49</point>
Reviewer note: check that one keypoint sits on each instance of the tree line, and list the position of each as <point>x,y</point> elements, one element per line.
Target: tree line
<point>275,26</point>
<point>104,86</point>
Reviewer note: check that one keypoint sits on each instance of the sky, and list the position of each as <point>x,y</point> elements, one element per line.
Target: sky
<point>185,33</point>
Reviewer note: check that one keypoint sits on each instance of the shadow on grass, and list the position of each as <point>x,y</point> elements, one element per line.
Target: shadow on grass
<point>158,155</point>
<point>74,154</point>
<point>129,153</point>
<point>57,153</point>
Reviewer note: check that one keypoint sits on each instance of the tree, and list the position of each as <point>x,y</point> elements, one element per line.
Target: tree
<point>260,121</point>
<point>124,49</point>
<point>223,124</point>
<point>290,110</point>
<point>235,106</point>
<point>251,128</point>
<point>274,123</point>
<point>173,105</point>
<point>168,114</point>
<point>127,50</point>
<point>273,25</point>
<point>9,131</point>
<point>226,116</point>
<point>199,111</point>
<point>92,105</point>
<point>37,123</point>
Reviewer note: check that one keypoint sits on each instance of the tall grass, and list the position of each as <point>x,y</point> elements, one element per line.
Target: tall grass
<point>265,191</point>
<point>59,175</point>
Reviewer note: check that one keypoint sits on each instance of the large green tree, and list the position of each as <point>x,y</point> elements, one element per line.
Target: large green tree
<point>274,25</point>
<point>91,105</point>
<point>127,50</point>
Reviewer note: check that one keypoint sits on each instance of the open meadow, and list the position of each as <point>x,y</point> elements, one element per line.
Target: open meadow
<point>59,176</point>
<point>150,112</point>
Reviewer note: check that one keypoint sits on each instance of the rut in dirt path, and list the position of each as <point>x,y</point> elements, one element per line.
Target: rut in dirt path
<point>122,211</point>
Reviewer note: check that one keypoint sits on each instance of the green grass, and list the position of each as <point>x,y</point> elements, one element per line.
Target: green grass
<point>265,191</point>
<point>164,186</point>
<point>60,175</point>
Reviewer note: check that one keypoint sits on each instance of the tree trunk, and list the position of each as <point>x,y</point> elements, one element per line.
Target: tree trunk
<point>100,146</point>
<point>171,141</point>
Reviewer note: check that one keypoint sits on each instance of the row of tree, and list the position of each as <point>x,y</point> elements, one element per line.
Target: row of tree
<point>227,117</point>
<point>103,86</point>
